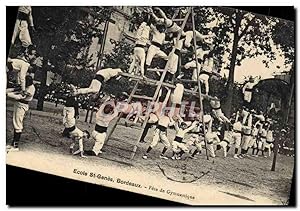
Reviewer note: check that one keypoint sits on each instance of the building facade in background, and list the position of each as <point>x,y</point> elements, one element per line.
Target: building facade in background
<point>117,28</point>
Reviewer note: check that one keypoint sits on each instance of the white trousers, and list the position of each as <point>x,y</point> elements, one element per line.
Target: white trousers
<point>194,141</point>
<point>237,138</point>
<point>69,117</point>
<point>177,147</point>
<point>246,142</point>
<point>153,52</point>
<point>268,146</point>
<point>177,94</point>
<point>220,115</point>
<point>138,61</point>
<point>18,116</point>
<point>77,134</point>
<point>224,145</point>
<point>94,87</point>
<point>203,79</point>
<point>99,141</point>
<point>21,30</point>
<point>160,135</point>
<point>247,96</point>
<point>172,63</point>
<point>252,143</point>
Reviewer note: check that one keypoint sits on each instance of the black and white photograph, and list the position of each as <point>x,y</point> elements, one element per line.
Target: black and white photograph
<point>191,104</point>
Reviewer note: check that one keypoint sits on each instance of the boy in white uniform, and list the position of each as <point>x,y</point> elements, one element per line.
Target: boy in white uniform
<point>139,55</point>
<point>101,76</point>
<point>172,63</point>
<point>205,67</point>
<point>253,142</point>
<point>247,91</point>
<point>269,144</point>
<point>72,131</point>
<point>226,138</point>
<point>160,133</point>
<point>70,113</point>
<point>262,142</point>
<point>246,137</point>
<point>198,141</point>
<point>21,27</point>
<point>104,116</point>
<point>154,115</point>
<point>189,37</point>
<point>178,146</point>
<point>237,136</point>
<point>20,108</point>
<point>157,41</point>
<point>171,26</point>
<point>21,65</point>
<point>217,111</point>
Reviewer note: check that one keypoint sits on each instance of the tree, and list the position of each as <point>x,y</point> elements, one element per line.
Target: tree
<point>63,37</point>
<point>284,37</point>
<point>239,35</point>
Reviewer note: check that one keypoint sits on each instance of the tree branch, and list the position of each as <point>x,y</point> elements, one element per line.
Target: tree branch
<point>246,28</point>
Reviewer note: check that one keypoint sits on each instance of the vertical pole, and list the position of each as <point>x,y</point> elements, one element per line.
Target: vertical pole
<point>276,143</point>
<point>290,102</point>
<point>102,44</point>
<point>87,114</point>
<point>92,112</point>
<point>199,84</point>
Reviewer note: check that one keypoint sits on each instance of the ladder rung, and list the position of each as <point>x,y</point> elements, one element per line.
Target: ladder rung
<point>155,70</point>
<point>186,80</point>
<point>178,19</point>
<point>142,97</point>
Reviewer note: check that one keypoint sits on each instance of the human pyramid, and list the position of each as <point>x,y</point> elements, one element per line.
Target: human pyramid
<point>247,129</point>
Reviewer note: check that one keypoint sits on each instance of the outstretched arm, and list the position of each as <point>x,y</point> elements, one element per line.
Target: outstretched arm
<point>237,116</point>
<point>176,125</point>
<point>163,15</point>
<point>166,99</point>
<point>30,19</point>
<point>157,19</point>
<point>194,124</point>
<point>244,88</point>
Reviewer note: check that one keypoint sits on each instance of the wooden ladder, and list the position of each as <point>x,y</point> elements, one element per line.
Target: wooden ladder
<point>158,85</point>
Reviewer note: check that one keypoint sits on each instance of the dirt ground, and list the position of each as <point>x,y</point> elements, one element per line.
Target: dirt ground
<point>243,181</point>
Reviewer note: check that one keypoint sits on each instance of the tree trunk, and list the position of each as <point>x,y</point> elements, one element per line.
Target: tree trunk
<point>230,82</point>
<point>42,90</point>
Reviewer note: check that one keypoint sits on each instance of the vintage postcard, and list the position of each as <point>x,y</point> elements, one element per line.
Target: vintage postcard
<point>190,104</point>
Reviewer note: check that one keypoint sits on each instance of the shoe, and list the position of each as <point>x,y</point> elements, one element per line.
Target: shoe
<point>180,76</point>
<point>13,149</point>
<point>192,157</point>
<point>145,157</point>
<point>163,157</point>
<point>76,152</point>
<point>241,156</point>
<point>236,156</point>
<point>178,158</point>
<point>256,156</point>
<point>82,155</point>
<point>265,156</point>
<point>9,146</point>
<point>173,158</point>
